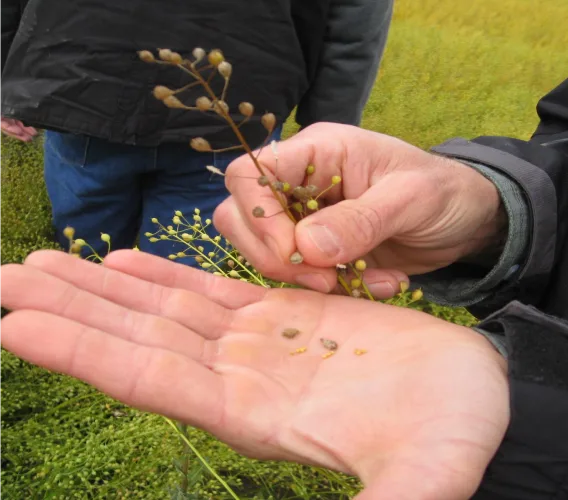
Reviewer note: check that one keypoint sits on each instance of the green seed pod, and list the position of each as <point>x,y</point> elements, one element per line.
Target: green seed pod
<point>80,241</point>
<point>200,248</point>
<point>172,232</point>
<point>75,248</point>
<point>69,232</point>
<point>246,109</point>
<point>234,274</point>
<point>360,265</point>
<point>202,145</point>
<point>215,57</point>
<point>211,254</point>
<point>178,213</point>
<point>312,205</point>
<point>180,254</point>
<point>403,286</point>
<point>298,207</point>
<point>163,237</point>
<point>105,237</point>
<point>206,265</point>
<point>147,234</point>
<point>154,220</point>
<point>310,169</point>
<point>172,256</point>
<point>153,240</point>
<point>336,179</point>
<point>356,283</point>
<point>199,259</point>
<point>176,220</point>
<point>286,187</point>
<point>186,237</point>
<point>417,294</point>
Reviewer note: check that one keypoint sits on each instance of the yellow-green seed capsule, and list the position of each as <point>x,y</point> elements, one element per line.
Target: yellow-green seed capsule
<point>163,237</point>
<point>80,242</point>
<point>200,248</point>
<point>69,232</point>
<point>211,254</point>
<point>199,259</point>
<point>417,294</point>
<point>197,211</point>
<point>312,205</point>
<point>207,221</point>
<point>176,220</point>
<point>147,234</point>
<point>170,228</point>
<point>186,237</point>
<point>178,213</point>
<point>268,120</point>
<point>172,232</point>
<point>360,265</point>
<point>298,207</point>
<point>356,283</point>
<point>206,265</point>
<point>154,220</point>
<point>234,274</point>
<point>164,54</point>
<point>161,92</point>
<point>196,218</point>
<point>180,254</point>
<point>215,57</point>
<point>286,187</point>
<point>105,237</point>
<point>403,286</point>
<point>336,179</point>
<point>198,53</point>
<point>205,237</point>
<point>217,239</point>
<point>172,256</point>
<point>153,240</point>
<point>75,248</point>
<point>310,169</point>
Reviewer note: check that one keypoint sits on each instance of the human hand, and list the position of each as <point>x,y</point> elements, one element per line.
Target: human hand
<point>17,130</point>
<point>419,416</point>
<point>397,206</point>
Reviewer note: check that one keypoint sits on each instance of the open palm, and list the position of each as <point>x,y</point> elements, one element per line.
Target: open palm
<point>418,416</point>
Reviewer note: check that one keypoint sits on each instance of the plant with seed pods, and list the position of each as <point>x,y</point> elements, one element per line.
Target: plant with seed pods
<point>297,202</point>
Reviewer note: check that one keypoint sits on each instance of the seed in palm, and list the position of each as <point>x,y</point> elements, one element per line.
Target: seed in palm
<point>330,345</point>
<point>290,333</point>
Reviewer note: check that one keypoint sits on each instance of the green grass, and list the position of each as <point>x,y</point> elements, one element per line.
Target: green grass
<point>452,68</point>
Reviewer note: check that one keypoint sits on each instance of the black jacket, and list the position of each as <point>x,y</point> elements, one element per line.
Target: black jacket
<point>73,66</point>
<point>532,462</point>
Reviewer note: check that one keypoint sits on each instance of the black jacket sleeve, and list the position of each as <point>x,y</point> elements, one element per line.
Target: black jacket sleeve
<point>540,168</point>
<point>532,461</point>
<point>11,14</point>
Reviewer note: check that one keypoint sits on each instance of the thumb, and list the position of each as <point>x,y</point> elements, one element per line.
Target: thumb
<point>350,229</point>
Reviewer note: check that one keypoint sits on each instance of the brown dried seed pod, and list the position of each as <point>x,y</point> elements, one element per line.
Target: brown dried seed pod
<point>330,345</point>
<point>160,92</point>
<point>225,69</point>
<point>173,102</point>
<point>203,103</point>
<point>175,58</point>
<point>200,144</point>
<point>231,263</point>
<point>220,106</point>
<point>312,189</point>
<point>290,333</point>
<point>268,120</point>
<point>165,54</point>
<point>356,293</point>
<point>198,53</point>
<point>263,180</point>
<point>146,56</point>
<point>278,185</point>
<point>296,258</point>
<point>300,193</point>
<point>246,108</point>
<point>258,212</point>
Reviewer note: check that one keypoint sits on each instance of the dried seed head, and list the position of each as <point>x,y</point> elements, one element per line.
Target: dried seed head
<point>220,106</point>
<point>310,169</point>
<point>417,294</point>
<point>296,258</point>
<point>225,69</point>
<point>263,180</point>
<point>173,102</point>
<point>198,53</point>
<point>312,205</point>
<point>403,286</point>
<point>203,103</point>
<point>246,108</point>
<point>258,212</point>
<point>231,263</point>
<point>69,232</point>
<point>105,237</point>
<point>278,186</point>
<point>268,120</point>
<point>146,56</point>
<point>360,265</point>
<point>356,293</point>
<point>214,170</point>
<point>290,333</point>
<point>312,189</point>
<point>165,54</point>
<point>215,57</point>
<point>356,283</point>
<point>200,144</point>
<point>336,179</point>
<point>298,207</point>
<point>300,193</point>
<point>330,345</point>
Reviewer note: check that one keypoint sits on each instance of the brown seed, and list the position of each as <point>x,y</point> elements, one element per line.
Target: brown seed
<point>263,180</point>
<point>203,103</point>
<point>258,212</point>
<point>175,58</point>
<point>246,108</point>
<point>290,333</point>
<point>296,258</point>
<point>268,120</point>
<point>231,263</point>
<point>330,345</point>
<point>160,92</point>
<point>300,350</point>
<point>312,189</point>
<point>220,106</point>
<point>200,144</point>
<point>146,56</point>
<point>165,54</point>
<point>356,293</point>
<point>300,193</point>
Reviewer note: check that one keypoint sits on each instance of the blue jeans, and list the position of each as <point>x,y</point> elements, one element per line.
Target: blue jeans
<point>99,187</point>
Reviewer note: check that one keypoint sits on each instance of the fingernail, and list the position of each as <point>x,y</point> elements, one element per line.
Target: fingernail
<point>323,239</point>
<point>382,289</point>
<point>313,282</point>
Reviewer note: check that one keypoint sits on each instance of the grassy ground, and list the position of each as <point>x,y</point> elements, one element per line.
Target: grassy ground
<point>452,68</point>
